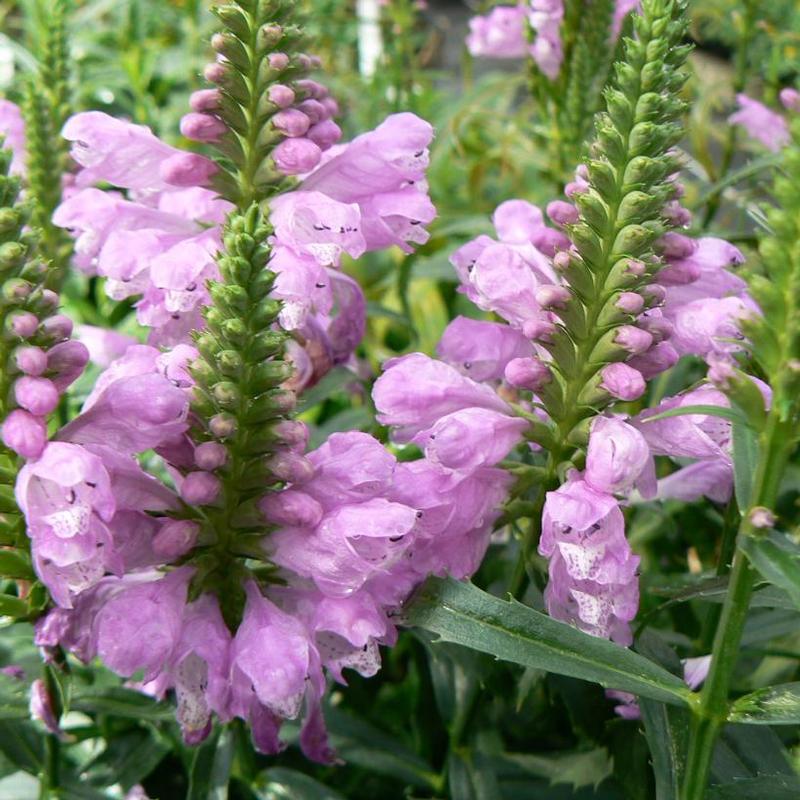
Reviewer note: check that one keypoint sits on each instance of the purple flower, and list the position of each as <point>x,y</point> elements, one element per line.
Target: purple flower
<point>481,349</point>
<point>12,128</point>
<point>761,123</point>
<point>618,458</point>
<point>139,626</point>
<point>499,34</point>
<point>593,582</point>
<point>415,391</point>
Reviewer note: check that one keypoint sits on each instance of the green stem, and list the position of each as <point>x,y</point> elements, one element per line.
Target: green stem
<point>712,711</point>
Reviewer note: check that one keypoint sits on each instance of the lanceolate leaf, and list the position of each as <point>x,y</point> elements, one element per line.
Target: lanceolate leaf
<point>666,729</point>
<point>777,558</point>
<point>745,460</point>
<point>710,411</point>
<point>463,614</point>
<point>774,705</point>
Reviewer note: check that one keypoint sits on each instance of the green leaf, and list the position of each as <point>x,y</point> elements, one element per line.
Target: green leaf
<point>335,381</point>
<point>211,767</point>
<point>666,729</point>
<point>773,705</point>
<point>21,744</point>
<point>121,702</point>
<point>128,758</point>
<point>777,558</point>
<point>774,787</point>
<point>281,783</point>
<point>358,742</point>
<point>579,769</point>
<point>463,614</point>
<point>744,751</point>
<point>13,698</point>
<point>711,411</point>
<point>470,776</point>
<point>12,606</point>
<point>745,462</point>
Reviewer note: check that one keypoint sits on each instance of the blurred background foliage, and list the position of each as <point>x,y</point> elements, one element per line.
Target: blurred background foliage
<point>413,732</point>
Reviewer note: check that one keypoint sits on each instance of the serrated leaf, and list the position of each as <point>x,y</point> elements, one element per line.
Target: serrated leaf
<point>777,558</point>
<point>773,705</point>
<point>579,769</point>
<point>463,614</point>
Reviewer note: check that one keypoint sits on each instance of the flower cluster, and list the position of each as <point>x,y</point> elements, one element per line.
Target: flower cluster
<point>39,359</point>
<point>159,242</point>
<point>237,569</point>
<point>504,32</point>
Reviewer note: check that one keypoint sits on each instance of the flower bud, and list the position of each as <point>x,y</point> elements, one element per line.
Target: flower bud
<point>654,294</point>
<point>314,110</point>
<point>633,339</point>
<point>790,99</point>
<point>291,467</point>
<point>659,358</point>
<point>37,395</point>
<point>57,327</point>
<point>200,488</point>
<point>292,433</point>
<point>269,35</point>
<point>636,267</point>
<point>562,213</point>
<point>223,425</point>
<point>762,518</point>
<point>657,326</point>
<point>616,456</point>
<point>331,106</point>
<point>226,393</point>
<point>205,100</point>
<point>215,72</point>
<point>538,329</point>
<point>50,299</point>
<point>312,88</point>
<point>210,455</point>
<point>296,156</point>
<point>16,290</point>
<point>622,382</point>
<point>282,96</point>
<point>291,507</point>
<point>278,61</point>
<point>11,254</point>
<point>291,122</point>
<point>31,360</point>
<point>552,296</point>
<point>175,538</point>
<point>24,324</point>
<point>630,302</point>
<point>202,127</point>
<point>325,134</point>
<point>25,434</point>
<point>676,245</point>
<point>187,169</point>
<point>527,373</point>
<point>562,260</point>
<point>41,708</point>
